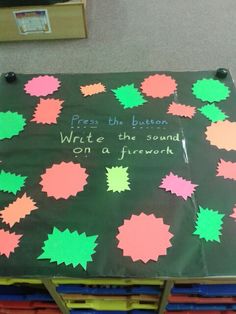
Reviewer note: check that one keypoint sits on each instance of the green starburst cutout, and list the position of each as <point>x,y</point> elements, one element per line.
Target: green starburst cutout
<point>11,123</point>
<point>118,179</point>
<point>69,248</point>
<point>129,96</point>
<point>210,90</point>
<point>209,224</point>
<point>213,113</point>
<point>11,182</point>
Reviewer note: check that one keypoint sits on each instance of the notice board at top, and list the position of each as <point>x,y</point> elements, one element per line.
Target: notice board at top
<point>118,175</point>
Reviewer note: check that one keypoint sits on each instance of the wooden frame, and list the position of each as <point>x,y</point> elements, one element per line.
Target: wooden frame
<point>67,20</point>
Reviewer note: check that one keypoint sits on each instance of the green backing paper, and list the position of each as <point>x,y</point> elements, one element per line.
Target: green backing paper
<point>10,182</point>
<point>118,179</point>
<point>11,123</point>
<point>210,90</point>
<point>129,96</point>
<point>209,224</point>
<point>213,113</point>
<point>69,248</point>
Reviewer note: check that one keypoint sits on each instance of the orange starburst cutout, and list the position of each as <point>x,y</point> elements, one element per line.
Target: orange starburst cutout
<point>17,210</point>
<point>222,135</point>
<point>92,89</point>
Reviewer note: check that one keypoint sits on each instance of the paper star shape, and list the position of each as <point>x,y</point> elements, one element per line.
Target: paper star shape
<point>209,224</point>
<point>144,237</point>
<point>64,180</point>
<point>118,179</point>
<point>70,248</point>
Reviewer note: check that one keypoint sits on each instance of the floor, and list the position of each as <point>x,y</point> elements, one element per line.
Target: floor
<point>137,35</point>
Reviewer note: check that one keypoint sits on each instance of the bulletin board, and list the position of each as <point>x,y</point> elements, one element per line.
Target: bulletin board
<point>118,175</point>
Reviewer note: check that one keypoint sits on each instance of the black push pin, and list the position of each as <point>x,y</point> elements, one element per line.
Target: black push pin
<point>10,77</point>
<point>221,73</point>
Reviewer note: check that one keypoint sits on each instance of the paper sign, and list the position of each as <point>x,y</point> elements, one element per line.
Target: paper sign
<point>47,111</point>
<point>32,21</point>
<point>213,113</point>
<point>42,85</point>
<point>181,110</point>
<point>178,185</point>
<point>17,210</point>
<point>118,179</point>
<point>209,224</point>
<point>226,169</point>
<point>129,96</point>
<point>210,90</point>
<point>89,90</point>
<point>64,180</point>
<point>11,182</point>
<point>222,135</point>
<point>158,86</point>
<point>8,242</point>
<point>70,248</point>
<point>11,123</point>
<point>144,237</point>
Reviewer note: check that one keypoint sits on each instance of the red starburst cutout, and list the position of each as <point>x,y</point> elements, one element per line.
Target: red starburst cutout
<point>226,169</point>
<point>8,242</point>
<point>158,86</point>
<point>47,111</point>
<point>144,237</point>
<point>181,110</point>
<point>64,180</point>
<point>233,215</point>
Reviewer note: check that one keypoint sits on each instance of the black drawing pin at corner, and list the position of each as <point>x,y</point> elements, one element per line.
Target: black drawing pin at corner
<point>10,77</point>
<point>221,73</point>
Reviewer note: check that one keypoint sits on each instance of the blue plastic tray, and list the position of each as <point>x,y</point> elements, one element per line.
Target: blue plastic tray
<point>110,290</point>
<point>25,297</point>
<point>206,290</point>
<point>199,307</point>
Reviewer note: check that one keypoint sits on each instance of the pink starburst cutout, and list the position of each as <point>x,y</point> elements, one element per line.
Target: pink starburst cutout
<point>144,237</point>
<point>42,85</point>
<point>178,186</point>
<point>158,86</point>
<point>64,180</point>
